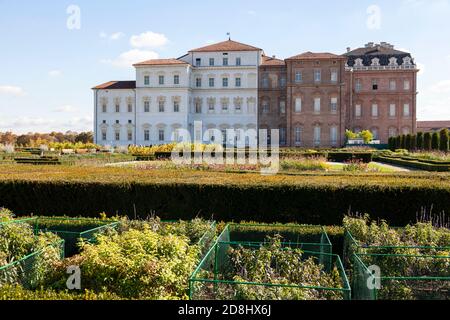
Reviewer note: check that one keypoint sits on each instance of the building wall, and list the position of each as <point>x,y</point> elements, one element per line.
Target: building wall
<point>308,120</point>
<point>384,123</point>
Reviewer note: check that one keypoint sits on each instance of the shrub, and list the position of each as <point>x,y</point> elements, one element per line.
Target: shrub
<point>427,141</point>
<point>408,139</point>
<point>420,142</point>
<point>391,143</point>
<point>435,141</point>
<point>305,164</point>
<point>444,140</point>
<point>413,143</point>
<point>15,292</point>
<point>140,264</point>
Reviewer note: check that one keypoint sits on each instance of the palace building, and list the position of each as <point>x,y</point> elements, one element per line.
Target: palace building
<point>312,98</point>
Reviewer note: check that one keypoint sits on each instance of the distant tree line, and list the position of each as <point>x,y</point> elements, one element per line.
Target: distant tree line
<point>37,139</point>
<point>422,141</point>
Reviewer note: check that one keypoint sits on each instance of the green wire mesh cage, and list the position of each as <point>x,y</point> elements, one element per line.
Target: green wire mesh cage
<point>218,278</point>
<point>352,245</point>
<point>400,277</point>
<point>30,271</point>
<point>72,230</point>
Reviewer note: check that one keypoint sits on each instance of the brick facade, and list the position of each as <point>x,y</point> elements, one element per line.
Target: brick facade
<point>371,88</point>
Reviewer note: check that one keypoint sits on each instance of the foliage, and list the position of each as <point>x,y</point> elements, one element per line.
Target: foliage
<point>274,264</point>
<point>15,292</point>
<point>435,141</point>
<point>305,164</point>
<point>366,135</point>
<point>420,141</point>
<point>427,145</point>
<point>444,140</point>
<point>140,264</point>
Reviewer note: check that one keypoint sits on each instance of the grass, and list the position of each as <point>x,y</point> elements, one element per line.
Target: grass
<point>14,172</point>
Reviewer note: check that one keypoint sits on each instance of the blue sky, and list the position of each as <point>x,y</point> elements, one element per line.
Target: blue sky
<point>47,69</point>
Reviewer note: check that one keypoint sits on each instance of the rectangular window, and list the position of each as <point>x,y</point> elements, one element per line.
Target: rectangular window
<point>316,105</point>
<point>146,80</point>
<point>265,107</point>
<point>198,82</point>
<point>117,108</point>
<point>298,77</point>
<point>161,135</point>
<point>392,85</point>
<point>104,136</point>
<point>406,85</point>
<point>198,107</point>
<point>358,85</point>
<point>317,135</point>
<point>282,107</point>
<point>317,75</point>
<point>334,105</point>
<point>334,76</point>
<point>146,106</point>
<point>374,85</point>
<point>298,105</point>
<point>161,80</point>
<point>198,62</point>
<point>130,107</point>
<point>176,106</point>
<point>283,136</point>
<point>211,62</point>
<point>375,110</point>
<point>211,82</point>
<point>298,135</point>
<point>392,110</point>
<point>161,106</point>
<point>225,82</point>
<point>176,79</point>
<point>130,122</point>
<point>333,135</point>
<point>130,136</point>
<point>225,61</point>
<point>265,82</point>
<point>211,106</point>
<point>117,136</point>
<point>146,135</point>
<point>283,82</point>
<point>358,111</point>
<point>238,82</point>
<point>238,61</point>
<point>406,110</point>
<point>224,106</point>
<point>104,108</point>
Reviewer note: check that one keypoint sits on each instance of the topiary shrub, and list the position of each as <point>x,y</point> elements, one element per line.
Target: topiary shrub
<point>435,141</point>
<point>444,140</point>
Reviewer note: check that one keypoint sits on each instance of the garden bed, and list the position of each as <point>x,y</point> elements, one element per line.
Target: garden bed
<point>267,271</point>
<point>402,277</point>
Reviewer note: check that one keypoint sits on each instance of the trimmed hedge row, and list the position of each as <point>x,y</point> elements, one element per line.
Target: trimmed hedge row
<point>365,157</point>
<point>322,204</point>
<point>415,164</point>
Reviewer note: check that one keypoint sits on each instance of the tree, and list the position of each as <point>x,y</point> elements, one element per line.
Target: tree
<point>408,142</point>
<point>85,137</point>
<point>444,140</point>
<point>23,140</point>
<point>398,142</point>
<point>427,141</point>
<point>403,142</point>
<point>435,141</point>
<point>419,142</point>
<point>350,135</point>
<point>391,143</point>
<point>413,145</point>
<point>366,135</point>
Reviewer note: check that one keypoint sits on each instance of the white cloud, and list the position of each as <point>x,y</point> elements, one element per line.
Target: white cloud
<point>29,122</point>
<point>127,59</point>
<point>12,90</point>
<point>113,36</point>
<point>149,39</point>
<point>39,124</point>
<point>66,109</point>
<point>421,68</point>
<point>55,73</point>
<point>441,87</point>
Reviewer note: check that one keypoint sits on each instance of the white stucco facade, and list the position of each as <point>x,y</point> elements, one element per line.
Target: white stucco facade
<point>218,87</point>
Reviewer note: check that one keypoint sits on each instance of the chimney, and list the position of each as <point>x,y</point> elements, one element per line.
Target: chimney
<point>369,45</point>
<point>349,49</point>
<point>274,56</point>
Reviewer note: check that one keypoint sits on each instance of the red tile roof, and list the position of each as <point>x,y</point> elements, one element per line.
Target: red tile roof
<point>270,61</point>
<point>160,62</point>
<point>116,85</point>
<point>312,56</point>
<point>228,45</point>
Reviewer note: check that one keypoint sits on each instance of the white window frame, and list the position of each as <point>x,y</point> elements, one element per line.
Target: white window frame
<point>358,111</point>
<point>298,105</point>
<point>317,105</point>
<point>392,110</point>
<point>375,110</point>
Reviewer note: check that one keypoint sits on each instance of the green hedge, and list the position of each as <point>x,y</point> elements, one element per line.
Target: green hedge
<point>310,204</point>
<point>426,165</point>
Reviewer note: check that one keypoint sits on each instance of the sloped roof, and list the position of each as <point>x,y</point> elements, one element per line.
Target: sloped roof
<point>382,52</point>
<point>228,45</point>
<point>315,55</point>
<point>271,61</point>
<point>375,51</point>
<point>433,124</point>
<point>160,62</point>
<point>116,85</point>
